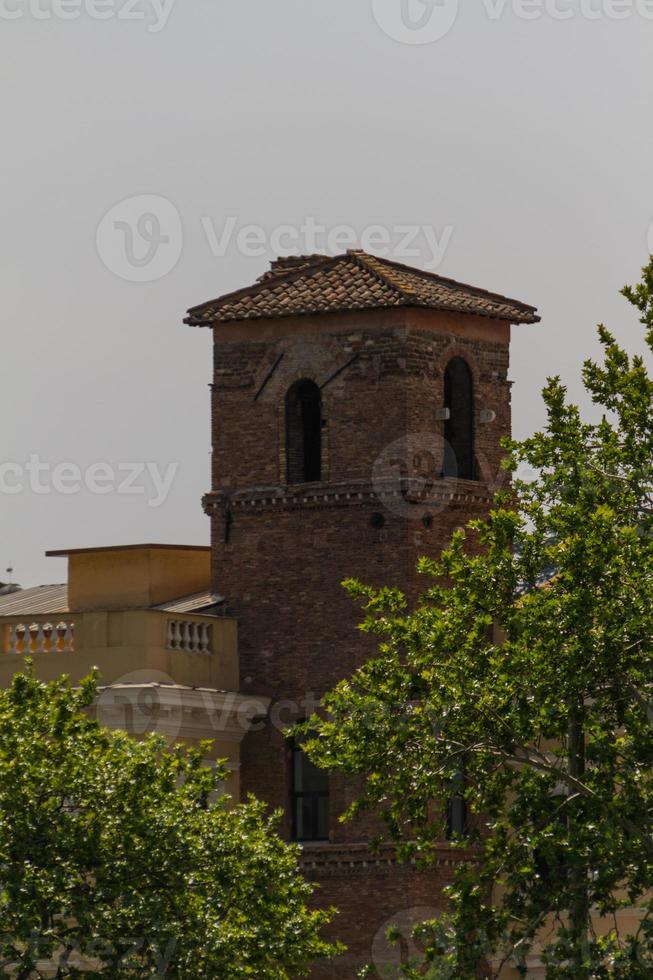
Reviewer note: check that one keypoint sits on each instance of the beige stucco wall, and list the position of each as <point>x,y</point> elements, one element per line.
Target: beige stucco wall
<point>117,643</point>
<point>133,578</point>
<point>129,649</point>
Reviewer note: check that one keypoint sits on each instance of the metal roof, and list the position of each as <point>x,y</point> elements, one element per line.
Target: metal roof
<point>62,553</point>
<point>157,685</point>
<point>43,599</point>
<point>192,603</point>
<point>53,599</point>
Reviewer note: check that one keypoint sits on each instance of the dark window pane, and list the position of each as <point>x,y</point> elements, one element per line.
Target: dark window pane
<point>308,778</point>
<point>457,807</point>
<point>304,433</point>
<point>550,862</point>
<point>304,819</point>
<point>323,818</point>
<point>310,798</point>
<point>456,817</point>
<point>459,427</point>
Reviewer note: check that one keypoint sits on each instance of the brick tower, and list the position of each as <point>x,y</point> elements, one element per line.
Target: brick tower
<point>358,407</point>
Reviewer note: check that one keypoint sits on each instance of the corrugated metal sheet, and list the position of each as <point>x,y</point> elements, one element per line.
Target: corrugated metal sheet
<point>192,603</point>
<point>156,685</point>
<point>43,599</point>
<point>52,599</point>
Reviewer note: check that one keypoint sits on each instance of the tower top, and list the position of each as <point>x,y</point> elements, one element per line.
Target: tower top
<point>308,284</point>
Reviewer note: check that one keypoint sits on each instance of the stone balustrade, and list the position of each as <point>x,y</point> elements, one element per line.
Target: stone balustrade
<point>190,636</point>
<point>169,647</point>
<point>41,635</point>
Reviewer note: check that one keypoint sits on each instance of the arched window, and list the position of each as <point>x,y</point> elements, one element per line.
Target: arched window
<point>459,427</point>
<point>304,433</point>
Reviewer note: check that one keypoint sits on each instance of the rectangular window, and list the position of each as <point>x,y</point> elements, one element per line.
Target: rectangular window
<point>457,808</point>
<point>310,792</point>
<point>456,817</point>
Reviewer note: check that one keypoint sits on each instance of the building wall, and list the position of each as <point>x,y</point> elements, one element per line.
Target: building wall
<point>370,899</point>
<point>280,553</point>
<point>393,386</point>
<point>146,687</point>
<point>135,577</point>
<point>121,642</point>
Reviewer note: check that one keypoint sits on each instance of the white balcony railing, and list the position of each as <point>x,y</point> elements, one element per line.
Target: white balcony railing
<point>191,637</point>
<point>39,637</point>
<point>43,634</point>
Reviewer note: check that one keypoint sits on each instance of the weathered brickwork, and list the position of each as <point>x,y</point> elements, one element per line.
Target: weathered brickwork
<point>281,552</point>
<point>372,892</point>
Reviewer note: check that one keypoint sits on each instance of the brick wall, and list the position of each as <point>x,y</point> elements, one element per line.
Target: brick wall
<point>372,892</point>
<point>280,553</point>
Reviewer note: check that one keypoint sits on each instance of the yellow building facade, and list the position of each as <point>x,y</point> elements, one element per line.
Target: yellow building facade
<point>144,616</point>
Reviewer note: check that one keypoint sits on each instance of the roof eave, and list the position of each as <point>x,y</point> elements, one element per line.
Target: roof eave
<point>527,317</point>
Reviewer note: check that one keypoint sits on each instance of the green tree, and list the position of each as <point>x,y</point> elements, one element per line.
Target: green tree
<point>120,858</point>
<point>531,692</point>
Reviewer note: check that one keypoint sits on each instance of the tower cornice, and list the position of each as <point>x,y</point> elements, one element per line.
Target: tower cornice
<point>409,491</point>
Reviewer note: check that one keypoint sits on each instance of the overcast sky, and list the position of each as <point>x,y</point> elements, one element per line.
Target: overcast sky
<point>138,148</point>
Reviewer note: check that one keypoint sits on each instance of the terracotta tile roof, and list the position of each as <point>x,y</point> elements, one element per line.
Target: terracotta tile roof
<point>300,285</point>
